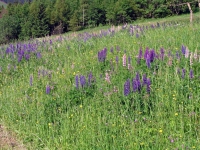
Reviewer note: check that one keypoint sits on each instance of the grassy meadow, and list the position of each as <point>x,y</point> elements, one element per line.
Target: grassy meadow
<point>134,87</point>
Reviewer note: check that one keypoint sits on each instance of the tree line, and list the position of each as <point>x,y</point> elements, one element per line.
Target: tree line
<point>39,18</point>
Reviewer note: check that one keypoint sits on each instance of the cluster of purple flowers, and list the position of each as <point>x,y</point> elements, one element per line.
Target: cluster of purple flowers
<point>136,84</point>
<point>102,55</point>
<point>82,80</point>
<point>22,51</point>
<point>191,73</point>
<point>149,56</point>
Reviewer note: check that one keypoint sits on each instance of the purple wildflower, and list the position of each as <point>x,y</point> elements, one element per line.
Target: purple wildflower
<point>90,79</point>
<point>111,49</point>
<point>144,78</point>
<point>48,89</point>
<point>152,55</point>
<point>102,55</point>
<point>148,85</point>
<point>183,49</point>
<point>77,81</point>
<point>162,53</point>
<point>38,54</point>
<point>139,56</point>
<point>134,85</point>
<point>137,77</point>
<point>148,63</point>
<point>129,60</point>
<point>191,74</point>
<point>183,73</point>
<point>82,81</point>
<point>177,55</point>
<point>117,59</point>
<point>27,56</point>
<point>137,35</point>
<point>127,88</point>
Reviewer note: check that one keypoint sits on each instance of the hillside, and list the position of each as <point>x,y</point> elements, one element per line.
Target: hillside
<point>131,87</point>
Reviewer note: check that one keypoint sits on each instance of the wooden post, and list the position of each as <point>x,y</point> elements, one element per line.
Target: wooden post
<point>190,12</point>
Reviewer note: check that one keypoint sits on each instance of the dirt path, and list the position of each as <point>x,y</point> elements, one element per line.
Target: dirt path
<point>8,141</point>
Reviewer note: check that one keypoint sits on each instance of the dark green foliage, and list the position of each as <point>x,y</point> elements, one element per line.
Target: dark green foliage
<point>8,29</point>
<point>39,18</point>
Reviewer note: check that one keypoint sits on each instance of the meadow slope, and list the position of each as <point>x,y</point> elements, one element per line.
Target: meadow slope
<point>131,87</point>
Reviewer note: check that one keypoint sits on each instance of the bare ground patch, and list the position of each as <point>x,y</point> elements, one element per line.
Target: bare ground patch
<point>8,141</point>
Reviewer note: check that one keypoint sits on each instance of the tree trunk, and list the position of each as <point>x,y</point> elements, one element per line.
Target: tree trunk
<point>83,16</point>
<point>190,12</point>
<point>199,4</point>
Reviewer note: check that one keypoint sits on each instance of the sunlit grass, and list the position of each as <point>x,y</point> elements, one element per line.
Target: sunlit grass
<point>100,116</point>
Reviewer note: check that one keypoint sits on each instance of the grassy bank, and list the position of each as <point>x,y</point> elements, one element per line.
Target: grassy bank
<point>136,88</point>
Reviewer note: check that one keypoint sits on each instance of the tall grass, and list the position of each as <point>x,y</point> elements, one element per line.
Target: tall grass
<point>46,104</point>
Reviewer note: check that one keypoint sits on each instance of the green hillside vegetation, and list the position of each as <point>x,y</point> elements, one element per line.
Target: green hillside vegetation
<point>126,87</point>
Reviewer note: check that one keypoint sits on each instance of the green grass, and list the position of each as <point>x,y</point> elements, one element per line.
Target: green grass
<point>100,116</point>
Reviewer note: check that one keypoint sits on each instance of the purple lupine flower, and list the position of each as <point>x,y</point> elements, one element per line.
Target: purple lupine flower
<point>117,59</point>
<point>48,89</point>
<point>191,74</point>
<point>77,81</point>
<point>148,85</point>
<point>31,80</point>
<point>129,60</point>
<point>111,50</point>
<point>137,35</point>
<point>127,88</point>
<point>102,55</point>
<point>82,81</point>
<point>162,53</point>
<point>27,56</point>
<point>20,58</point>
<point>177,55</point>
<point>137,77</point>
<point>38,54</point>
<point>50,42</point>
<point>148,62</point>
<point>144,78</point>
<point>152,55</point>
<point>183,73</point>
<point>90,79</point>
<point>139,56</point>
<point>183,49</point>
<point>134,85</point>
